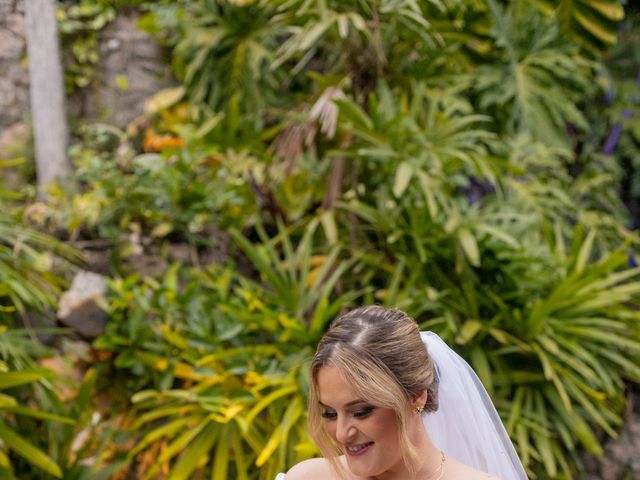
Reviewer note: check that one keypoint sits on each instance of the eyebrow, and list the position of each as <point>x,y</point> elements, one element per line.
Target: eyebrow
<point>350,404</point>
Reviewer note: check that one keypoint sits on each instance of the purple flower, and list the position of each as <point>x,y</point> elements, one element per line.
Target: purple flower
<point>612,139</point>
<point>476,189</point>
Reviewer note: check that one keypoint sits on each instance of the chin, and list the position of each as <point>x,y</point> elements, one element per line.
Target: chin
<point>363,470</point>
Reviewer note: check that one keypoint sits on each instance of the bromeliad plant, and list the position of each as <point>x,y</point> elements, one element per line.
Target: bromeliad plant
<point>18,375</point>
<point>230,423</point>
<point>26,263</point>
<point>576,344</point>
<point>552,330</point>
<point>12,440</point>
<point>233,386</point>
<point>456,133</point>
<point>31,263</point>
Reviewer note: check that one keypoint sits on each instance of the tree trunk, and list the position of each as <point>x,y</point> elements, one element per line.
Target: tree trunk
<point>47,93</point>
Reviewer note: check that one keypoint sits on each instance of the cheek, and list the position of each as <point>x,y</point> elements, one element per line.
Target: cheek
<point>330,428</point>
<point>384,427</point>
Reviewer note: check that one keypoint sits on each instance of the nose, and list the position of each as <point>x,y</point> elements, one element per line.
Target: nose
<point>344,429</point>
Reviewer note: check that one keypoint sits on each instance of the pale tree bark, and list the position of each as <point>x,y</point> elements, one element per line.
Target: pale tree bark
<point>47,93</point>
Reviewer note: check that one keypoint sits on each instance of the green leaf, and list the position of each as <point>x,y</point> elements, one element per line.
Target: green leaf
<point>25,449</point>
<point>13,379</point>
<point>352,112</point>
<point>468,330</point>
<point>403,176</point>
<point>268,400</point>
<point>190,458</point>
<point>222,455</point>
<point>167,429</point>
<point>164,99</point>
<point>30,412</point>
<point>469,246</point>
<point>585,252</point>
<point>291,415</point>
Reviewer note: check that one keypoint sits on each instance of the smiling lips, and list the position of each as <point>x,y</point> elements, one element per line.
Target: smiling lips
<point>357,450</point>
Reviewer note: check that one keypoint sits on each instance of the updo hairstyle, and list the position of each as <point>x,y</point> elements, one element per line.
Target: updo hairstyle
<point>380,353</point>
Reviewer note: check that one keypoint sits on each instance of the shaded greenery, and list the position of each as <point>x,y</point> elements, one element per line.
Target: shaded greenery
<point>449,158</point>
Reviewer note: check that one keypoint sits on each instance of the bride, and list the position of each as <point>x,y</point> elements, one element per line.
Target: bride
<point>390,403</point>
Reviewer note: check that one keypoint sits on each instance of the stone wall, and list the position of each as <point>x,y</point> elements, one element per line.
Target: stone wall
<point>621,459</point>
<point>14,79</point>
<point>131,69</point>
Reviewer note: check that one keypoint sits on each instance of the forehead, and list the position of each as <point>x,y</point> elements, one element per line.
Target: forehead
<point>333,389</point>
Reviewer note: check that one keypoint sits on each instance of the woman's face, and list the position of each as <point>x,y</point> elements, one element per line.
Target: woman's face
<point>366,434</point>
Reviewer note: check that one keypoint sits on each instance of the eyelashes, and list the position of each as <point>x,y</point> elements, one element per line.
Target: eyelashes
<point>361,413</point>
<point>364,412</point>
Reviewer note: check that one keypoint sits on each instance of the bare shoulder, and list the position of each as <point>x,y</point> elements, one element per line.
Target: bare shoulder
<point>460,471</point>
<point>312,469</point>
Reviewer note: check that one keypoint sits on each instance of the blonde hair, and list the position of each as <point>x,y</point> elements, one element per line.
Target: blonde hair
<point>380,353</point>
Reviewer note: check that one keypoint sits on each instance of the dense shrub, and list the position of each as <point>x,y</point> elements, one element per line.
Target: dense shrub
<point>448,158</point>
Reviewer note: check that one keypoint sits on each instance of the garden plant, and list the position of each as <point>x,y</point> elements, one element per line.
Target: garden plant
<point>471,162</point>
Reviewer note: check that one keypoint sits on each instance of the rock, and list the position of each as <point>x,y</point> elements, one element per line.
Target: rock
<point>219,250</point>
<point>10,6</point>
<point>81,306</point>
<point>7,94</point>
<point>621,459</point>
<point>131,69</point>
<point>13,140</point>
<point>13,46</point>
<point>39,323</point>
<point>14,76</point>
<point>181,252</point>
<point>147,265</point>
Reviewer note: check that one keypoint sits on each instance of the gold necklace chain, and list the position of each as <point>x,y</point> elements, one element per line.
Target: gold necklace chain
<point>440,469</point>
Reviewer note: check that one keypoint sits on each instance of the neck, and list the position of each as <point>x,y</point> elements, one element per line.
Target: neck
<point>431,457</point>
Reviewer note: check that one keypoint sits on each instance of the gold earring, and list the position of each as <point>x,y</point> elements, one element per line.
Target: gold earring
<point>419,410</point>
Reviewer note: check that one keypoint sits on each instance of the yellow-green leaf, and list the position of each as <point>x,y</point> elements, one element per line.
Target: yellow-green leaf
<point>190,458</point>
<point>469,246</point>
<point>221,462</point>
<point>403,176</point>
<point>164,99</point>
<point>468,331</point>
<point>25,449</point>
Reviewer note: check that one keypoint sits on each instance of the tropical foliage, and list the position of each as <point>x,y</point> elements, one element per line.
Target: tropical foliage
<point>460,159</point>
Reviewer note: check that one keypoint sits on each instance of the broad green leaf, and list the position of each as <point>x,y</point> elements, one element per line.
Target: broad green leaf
<point>14,379</point>
<point>190,457</point>
<point>31,412</point>
<point>403,176</point>
<point>291,415</point>
<point>469,246</point>
<point>169,429</point>
<point>268,399</point>
<point>353,113</point>
<point>26,450</point>
<point>222,455</point>
<point>468,330</point>
<point>164,99</point>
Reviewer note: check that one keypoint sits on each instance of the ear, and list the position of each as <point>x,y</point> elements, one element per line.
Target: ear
<point>420,399</point>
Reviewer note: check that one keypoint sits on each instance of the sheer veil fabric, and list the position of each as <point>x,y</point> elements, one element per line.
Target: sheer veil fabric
<point>466,425</point>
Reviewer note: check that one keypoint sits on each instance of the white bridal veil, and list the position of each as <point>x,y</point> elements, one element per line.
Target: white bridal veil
<point>466,425</point>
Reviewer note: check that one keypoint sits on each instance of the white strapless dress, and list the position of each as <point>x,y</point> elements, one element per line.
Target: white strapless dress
<point>280,476</point>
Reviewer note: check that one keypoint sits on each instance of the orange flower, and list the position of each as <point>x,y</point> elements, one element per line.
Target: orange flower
<point>157,143</point>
